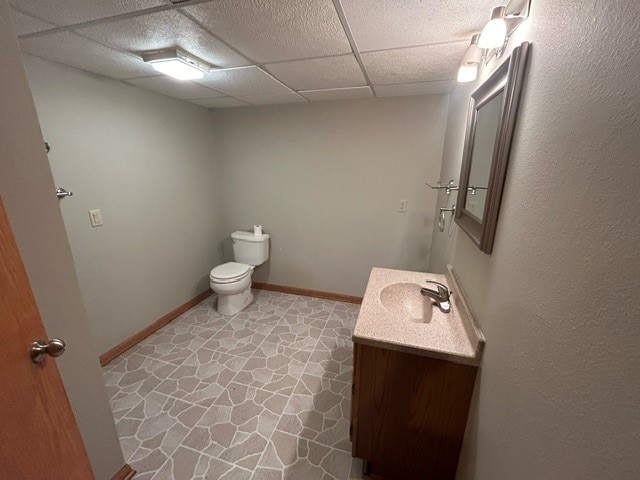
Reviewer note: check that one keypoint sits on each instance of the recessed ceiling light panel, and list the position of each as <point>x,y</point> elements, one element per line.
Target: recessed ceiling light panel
<point>177,64</point>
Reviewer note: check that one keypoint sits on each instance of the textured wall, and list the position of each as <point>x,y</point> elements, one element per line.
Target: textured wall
<point>146,161</point>
<point>559,393</point>
<point>325,179</point>
<point>27,190</point>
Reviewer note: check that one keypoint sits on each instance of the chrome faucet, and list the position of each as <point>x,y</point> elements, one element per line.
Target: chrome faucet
<point>440,297</point>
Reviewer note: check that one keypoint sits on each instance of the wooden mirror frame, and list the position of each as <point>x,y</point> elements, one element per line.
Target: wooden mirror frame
<point>507,78</point>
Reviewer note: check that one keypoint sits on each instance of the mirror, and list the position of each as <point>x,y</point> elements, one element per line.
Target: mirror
<point>488,117</point>
<point>490,125</point>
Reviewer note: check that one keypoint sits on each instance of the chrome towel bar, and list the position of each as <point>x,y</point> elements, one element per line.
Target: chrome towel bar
<point>450,187</point>
<point>61,193</point>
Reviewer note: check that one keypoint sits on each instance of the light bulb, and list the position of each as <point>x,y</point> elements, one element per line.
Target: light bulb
<point>494,33</point>
<point>467,73</point>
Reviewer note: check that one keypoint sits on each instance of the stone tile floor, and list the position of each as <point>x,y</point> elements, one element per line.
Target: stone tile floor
<point>264,394</point>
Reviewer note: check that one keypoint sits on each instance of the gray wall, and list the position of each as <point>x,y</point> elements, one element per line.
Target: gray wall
<point>325,180</point>
<point>559,390</point>
<point>442,242</point>
<point>27,187</point>
<point>147,162</point>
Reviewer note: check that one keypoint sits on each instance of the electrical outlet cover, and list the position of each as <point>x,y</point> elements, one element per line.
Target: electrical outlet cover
<point>95,216</point>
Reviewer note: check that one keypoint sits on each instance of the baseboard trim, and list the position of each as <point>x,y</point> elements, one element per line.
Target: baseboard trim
<point>308,293</point>
<point>125,473</point>
<point>119,349</point>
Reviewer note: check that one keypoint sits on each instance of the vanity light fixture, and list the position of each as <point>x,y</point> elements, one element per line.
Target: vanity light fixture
<point>473,54</point>
<point>494,33</point>
<point>504,20</point>
<point>471,59</point>
<point>467,73</point>
<point>177,64</point>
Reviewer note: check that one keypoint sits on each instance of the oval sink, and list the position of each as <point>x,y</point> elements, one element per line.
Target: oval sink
<point>406,301</point>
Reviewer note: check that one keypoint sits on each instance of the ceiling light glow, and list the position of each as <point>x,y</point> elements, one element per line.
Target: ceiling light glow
<point>177,63</point>
<point>177,69</point>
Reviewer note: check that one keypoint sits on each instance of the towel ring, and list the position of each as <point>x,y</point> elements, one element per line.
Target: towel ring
<point>441,217</point>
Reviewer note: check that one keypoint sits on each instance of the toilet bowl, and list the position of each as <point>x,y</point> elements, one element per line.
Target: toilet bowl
<point>232,280</point>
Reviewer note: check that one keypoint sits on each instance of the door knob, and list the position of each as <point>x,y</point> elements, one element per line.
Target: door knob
<point>39,349</point>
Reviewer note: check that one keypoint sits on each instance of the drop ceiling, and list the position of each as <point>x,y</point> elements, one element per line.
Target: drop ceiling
<point>268,51</point>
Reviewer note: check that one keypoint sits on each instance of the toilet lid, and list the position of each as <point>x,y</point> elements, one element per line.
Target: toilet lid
<point>229,271</point>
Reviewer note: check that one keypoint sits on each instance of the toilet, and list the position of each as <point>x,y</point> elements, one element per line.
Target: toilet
<point>232,280</point>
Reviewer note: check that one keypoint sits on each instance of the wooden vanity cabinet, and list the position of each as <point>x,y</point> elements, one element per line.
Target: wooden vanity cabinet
<point>408,413</point>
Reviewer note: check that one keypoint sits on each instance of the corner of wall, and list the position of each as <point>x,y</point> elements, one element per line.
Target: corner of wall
<point>27,188</point>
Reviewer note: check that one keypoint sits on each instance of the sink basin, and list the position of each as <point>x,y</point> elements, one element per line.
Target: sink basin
<point>406,302</point>
<point>395,316</point>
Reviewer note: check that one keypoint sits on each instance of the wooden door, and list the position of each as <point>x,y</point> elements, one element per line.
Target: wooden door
<point>39,437</point>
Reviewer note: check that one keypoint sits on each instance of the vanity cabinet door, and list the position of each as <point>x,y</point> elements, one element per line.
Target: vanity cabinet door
<point>409,413</point>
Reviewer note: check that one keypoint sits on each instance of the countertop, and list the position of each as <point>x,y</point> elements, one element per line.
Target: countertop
<point>453,336</point>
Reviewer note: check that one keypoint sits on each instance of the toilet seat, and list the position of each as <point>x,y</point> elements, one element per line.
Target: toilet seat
<point>229,272</point>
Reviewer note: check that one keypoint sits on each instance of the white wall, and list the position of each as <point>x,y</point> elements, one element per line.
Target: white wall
<point>147,162</point>
<point>325,180</point>
<point>27,190</point>
<point>558,394</point>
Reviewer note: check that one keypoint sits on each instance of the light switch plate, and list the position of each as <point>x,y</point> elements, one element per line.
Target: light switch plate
<point>402,206</point>
<point>96,217</point>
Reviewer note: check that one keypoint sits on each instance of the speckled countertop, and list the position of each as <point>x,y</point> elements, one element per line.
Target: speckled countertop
<point>396,316</point>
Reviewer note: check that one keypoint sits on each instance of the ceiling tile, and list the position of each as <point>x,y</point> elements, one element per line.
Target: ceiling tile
<point>290,97</point>
<point>174,88</point>
<point>271,31</point>
<point>319,73</point>
<point>219,102</point>
<point>338,94</point>
<point>415,64</point>
<point>69,12</point>
<point>76,51</point>
<point>164,30</point>
<point>26,24</point>
<point>381,24</point>
<point>422,88</point>
<point>243,81</point>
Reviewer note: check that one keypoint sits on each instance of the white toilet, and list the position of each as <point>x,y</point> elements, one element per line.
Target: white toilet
<point>232,280</point>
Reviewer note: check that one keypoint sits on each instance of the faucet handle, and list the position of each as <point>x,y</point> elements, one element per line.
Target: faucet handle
<point>442,288</point>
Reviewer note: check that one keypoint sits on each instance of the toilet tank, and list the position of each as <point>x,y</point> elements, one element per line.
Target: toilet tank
<point>250,249</point>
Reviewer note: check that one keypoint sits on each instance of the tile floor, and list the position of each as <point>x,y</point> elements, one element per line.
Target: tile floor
<point>264,394</point>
